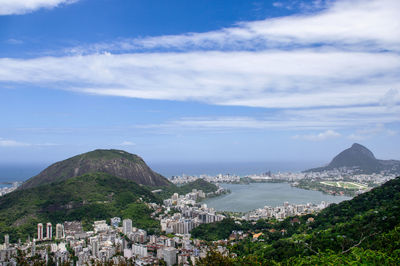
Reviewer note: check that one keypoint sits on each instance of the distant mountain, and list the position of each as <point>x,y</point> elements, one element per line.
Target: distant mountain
<point>361,158</point>
<point>86,198</point>
<point>114,162</point>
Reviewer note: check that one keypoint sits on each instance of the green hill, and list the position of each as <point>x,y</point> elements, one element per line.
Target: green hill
<point>88,197</point>
<point>362,159</point>
<point>114,162</point>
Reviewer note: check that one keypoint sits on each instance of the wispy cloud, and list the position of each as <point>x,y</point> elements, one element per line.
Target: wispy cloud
<point>12,143</point>
<point>14,41</point>
<point>15,143</point>
<point>17,7</point>
<point>127,143</point>
<point>328,134</point>
<point>348,24</point>
<point>323,119</point>
<point>372,131</point>
<point>279,79</point>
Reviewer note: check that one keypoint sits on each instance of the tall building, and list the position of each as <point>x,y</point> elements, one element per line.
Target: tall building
<point>49,231</point>
<point>6,241</point>
<point>59,231</point>
<point>169,255</point>
<point>95,247</point>
<point>40,231</point>
<point>175,196</point>
<point>127,226</point>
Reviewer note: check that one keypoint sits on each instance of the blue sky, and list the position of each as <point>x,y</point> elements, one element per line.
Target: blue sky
<point>199,81</point>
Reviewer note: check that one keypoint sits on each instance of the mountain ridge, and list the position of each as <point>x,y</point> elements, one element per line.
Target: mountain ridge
<point>361,158</point>
<point>114,162</point>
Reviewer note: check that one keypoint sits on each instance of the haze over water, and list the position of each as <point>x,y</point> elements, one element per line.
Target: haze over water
<point>244,198</point>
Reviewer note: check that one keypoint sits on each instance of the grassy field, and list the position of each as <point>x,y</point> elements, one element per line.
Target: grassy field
<point>347,185</point>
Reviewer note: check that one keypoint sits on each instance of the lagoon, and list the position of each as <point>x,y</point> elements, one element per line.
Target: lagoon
<point>247,197</point>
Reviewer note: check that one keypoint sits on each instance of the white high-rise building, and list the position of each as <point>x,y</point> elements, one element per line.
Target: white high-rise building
<point>49,231</point>
<point>40,231</point>
<point>95,247</point>
<point>59,231</point>
<point>127,226</point>
<point>169,255</point>
<point>6,241</point>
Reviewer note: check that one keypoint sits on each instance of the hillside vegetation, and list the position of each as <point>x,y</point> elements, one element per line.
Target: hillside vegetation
<point>87,198</point>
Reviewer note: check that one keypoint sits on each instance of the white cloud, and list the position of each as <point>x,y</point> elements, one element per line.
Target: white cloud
<point>323,119</point>
<point>12,143</point>
<point>372,131</point>
<point>333,69</point>
<point>127,143</point>
<point>272,63</point>
<point>275,79</point>
<point>13,41</point>
<point>349,24</point>
<point>390,98</point>
<point>17,7</point>
<point>328,134</point>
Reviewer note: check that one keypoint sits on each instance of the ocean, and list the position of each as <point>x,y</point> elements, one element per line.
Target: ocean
<point>20,172</point>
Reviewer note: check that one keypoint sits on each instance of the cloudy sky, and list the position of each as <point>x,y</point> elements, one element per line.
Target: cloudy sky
<point>199,81</point>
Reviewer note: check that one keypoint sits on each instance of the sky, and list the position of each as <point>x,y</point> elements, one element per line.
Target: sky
<point>199,81</point>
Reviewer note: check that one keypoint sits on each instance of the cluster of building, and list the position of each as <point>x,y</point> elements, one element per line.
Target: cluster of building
<point>106,243</point>
<point>187,213</point>
<point>350,173</point>
<point>119,241</point>
<point>281,212</point>
<point>220,178</point>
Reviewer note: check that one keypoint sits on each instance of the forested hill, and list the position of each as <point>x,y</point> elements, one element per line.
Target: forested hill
<point>85,198</point>
<point>365,230</point>
<point>114,162</point>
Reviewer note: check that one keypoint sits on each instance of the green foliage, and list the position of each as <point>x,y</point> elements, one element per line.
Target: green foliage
<point>357,256</point>
<point>215,231</point>
<point>87,198</point>
<point>213,257</point>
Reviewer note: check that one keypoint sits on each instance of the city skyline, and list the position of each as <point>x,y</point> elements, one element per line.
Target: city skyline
<point>199,82</point>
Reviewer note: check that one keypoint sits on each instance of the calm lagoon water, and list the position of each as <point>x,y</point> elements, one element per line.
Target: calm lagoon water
<point>244,198</point>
